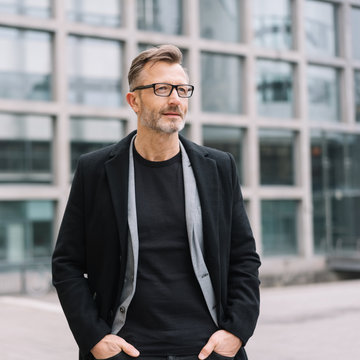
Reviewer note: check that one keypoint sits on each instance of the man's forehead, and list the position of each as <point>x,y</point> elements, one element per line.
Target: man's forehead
<point>161,70</point>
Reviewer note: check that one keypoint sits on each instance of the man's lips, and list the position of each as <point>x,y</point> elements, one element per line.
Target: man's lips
<point>171,114</point>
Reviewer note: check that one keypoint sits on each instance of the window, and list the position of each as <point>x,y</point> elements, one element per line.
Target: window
<point>355,25</point>
<point>25,64</point>
<point>221,83</point>
<point>336,190</point>
<point>25,230</point>
<point>95,70</point>
<point>34,8</point>
<point>277,157</point>
<point>89,12</point>
<point>225,138</point>
<point>164,16</point>
<point>323,93</point>
<point>279,227</point>
<point>25,148</point>
<point>357,95</point>
<point>275,89</point>
<point>220,20</point>
<point>272,24</point>
<point>321,28</point>
<point>89,134</point>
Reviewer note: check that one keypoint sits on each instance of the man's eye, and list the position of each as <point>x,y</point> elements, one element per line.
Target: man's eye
<point>163,88</point>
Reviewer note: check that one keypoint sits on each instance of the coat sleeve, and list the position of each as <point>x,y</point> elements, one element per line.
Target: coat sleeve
<point>69,272</point>
<point>243,298</point>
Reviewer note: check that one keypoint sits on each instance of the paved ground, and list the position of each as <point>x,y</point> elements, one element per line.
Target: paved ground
<point>312,322</point>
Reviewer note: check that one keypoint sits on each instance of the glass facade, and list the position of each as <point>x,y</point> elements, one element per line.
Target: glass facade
<point>357,95</point>
<point>26,231</point>
<point>165,16</point>
<point>221,83</point>
<point>279,227</point>
<point>33,8</point>
<point>95,71</point>
<point>226,138</point>
<point>247,61</point>
<point>25,64</point>
<point>89,12</point>
<point>275,89</point>
<point>277,157</point>
<point>25,148</point>
<point>355,27</point>
<point>336,190</point>
<point>272,23</point>
<point>323,93</point>
<point>89,134</point>
<point>321,28</point>
<point>220,20</point>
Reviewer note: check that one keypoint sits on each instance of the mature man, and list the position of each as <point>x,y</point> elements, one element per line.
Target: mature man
<point>155,256</point>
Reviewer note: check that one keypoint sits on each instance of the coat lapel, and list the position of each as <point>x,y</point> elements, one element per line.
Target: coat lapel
<point>207,181</point>
<point>117,171</point>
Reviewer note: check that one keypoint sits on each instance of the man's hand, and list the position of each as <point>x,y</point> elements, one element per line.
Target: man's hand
<point>223,343</point>
<point>111,345</point>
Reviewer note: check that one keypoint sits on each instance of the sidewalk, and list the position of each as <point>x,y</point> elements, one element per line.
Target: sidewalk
<point>309,322</point>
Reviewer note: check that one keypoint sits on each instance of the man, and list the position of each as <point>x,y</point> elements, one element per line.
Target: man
<point>155,256</point>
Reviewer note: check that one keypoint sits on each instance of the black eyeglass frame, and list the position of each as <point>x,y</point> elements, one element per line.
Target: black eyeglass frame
<point>172,88</point>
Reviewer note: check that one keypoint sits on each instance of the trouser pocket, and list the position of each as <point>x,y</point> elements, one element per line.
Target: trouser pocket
<point>215,356</point>
<point>119,356</point>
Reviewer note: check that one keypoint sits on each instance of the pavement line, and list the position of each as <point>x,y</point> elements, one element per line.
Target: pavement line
<point>30,303</point>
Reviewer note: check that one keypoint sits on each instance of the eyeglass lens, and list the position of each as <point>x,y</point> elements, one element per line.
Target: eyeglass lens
<point>166,89</point>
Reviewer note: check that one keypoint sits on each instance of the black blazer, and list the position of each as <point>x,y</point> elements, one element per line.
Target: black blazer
<point>90,254</point>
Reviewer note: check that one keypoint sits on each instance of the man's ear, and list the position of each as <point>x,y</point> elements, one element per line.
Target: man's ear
<point>132,100</point>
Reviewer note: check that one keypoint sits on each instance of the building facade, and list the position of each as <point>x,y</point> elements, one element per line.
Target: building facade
<point>277,84</point>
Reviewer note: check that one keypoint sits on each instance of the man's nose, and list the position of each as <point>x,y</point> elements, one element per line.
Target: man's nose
<point>174,97</point>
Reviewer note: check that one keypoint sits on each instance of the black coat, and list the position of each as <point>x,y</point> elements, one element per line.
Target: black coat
<point>89,259</point>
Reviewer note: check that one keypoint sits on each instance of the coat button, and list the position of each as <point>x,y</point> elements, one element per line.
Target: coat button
<point>122,309</point>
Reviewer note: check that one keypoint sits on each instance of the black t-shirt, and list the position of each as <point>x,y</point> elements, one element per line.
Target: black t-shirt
<point>168,314</point>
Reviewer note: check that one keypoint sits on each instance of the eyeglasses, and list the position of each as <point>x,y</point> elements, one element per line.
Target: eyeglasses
<point>164,89</point>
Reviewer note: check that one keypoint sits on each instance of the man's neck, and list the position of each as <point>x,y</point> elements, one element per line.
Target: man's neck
<point>156,146</point>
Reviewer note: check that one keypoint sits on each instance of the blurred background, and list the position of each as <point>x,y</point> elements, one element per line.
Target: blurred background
<point>277,84</point>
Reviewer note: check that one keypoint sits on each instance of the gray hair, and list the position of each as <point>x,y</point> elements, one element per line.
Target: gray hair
<point>167,53</point>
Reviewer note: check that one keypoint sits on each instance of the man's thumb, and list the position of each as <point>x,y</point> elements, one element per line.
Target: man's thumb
<point>129,349</point>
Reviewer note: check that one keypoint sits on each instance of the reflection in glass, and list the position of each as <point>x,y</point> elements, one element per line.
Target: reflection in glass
<point>94,71</point>
<point>355,31</point>
<point>272,24</point>
<point>321,28</point>
<point>25,64</point>
<point>89,12</point>
<point>336,190</point>
<point>90,134</point>
<point>225,138</point>
<point>357,95</point>
<point>275,88</point>
<point>25,148</point>
<point>220,20</point>
<point>277,157</point>
<point>25,230</point>
<point>33,8</point>
<point>279,227</point>
<point>323,93</point>
<point>221,83</point>
<point>160,15</point>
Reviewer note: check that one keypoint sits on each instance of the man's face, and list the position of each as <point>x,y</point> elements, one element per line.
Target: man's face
<point>162,114</point>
